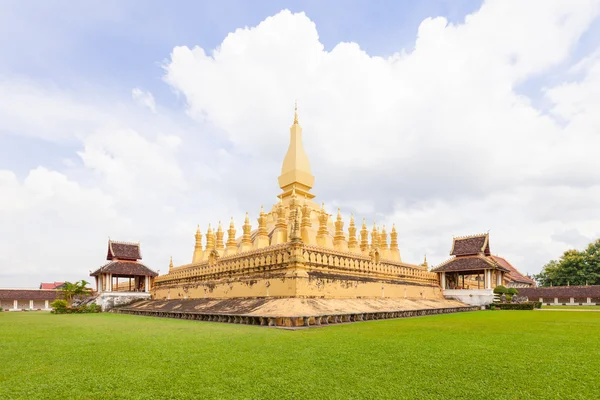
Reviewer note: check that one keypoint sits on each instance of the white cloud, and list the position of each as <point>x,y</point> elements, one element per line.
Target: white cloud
<point>437,140</point>
<point>145,99</point>
<point>129,162</point>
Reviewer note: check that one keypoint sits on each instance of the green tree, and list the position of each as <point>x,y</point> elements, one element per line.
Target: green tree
<point>574,267</point>
<point>78,289</point>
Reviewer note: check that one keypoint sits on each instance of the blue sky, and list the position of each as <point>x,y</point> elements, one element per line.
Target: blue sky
<point>123,43</point>
<point>445,117</point>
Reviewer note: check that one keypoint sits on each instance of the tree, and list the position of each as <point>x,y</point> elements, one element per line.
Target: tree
<point>78,289</point>
<point>574,267</point>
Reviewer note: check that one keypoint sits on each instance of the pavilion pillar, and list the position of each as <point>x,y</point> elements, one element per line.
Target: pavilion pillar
<point>488,278</point>
<point>15,304</point>
<point>443,280</point>
<point>146,284</point>
<point>498,278</point>
<point>46,305</point>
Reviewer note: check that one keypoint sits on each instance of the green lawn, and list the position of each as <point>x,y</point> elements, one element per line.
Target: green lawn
<point>478,355</point>
<point>573,307</point>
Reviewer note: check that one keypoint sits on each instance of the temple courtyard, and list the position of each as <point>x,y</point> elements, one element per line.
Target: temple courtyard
<point>470,355</point>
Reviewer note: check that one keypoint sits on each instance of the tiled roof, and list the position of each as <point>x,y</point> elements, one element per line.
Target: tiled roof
<point>123,251</point>
<point>513,274</point>
<point>468,263</point>
<point>560,291</point>
<point>28,294</point>
<point>124,268</point>
<point>470,245</point>
<point>52,285</point>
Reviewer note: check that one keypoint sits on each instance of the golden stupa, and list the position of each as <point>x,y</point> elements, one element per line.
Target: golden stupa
<point>298,249</point>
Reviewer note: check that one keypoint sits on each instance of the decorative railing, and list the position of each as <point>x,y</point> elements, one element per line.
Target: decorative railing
<point>278,257</point>
<point>261,260</point>
<point>318,257</point>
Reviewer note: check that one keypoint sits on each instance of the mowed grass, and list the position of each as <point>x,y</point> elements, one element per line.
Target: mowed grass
<point>477,355</point>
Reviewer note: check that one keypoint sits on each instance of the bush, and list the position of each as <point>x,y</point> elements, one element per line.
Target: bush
<point>509,298</point>
<point>95,308</point>
<point>537,304</point>
<point>492,306</point>
<point>515,306</point>
<point>512,291</point>
<point>59,306</point>
<point>500,290</point>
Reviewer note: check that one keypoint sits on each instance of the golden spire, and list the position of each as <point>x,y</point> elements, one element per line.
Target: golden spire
<point>231,243</point>
<point>383,238</point>
<point>219,243</point>
<point>323,238</point>
<point>262,223</point>
<point>171,264</point>
<point>296,113</point>
<point>280,215</point>
<point>197,257</point>
<point>339,226</point>
<point>295,171</point>
<point>394,238</point>
<point>394,252</point>
<point>198,238</point>
<point>306,211</point>
<point>339,240</point>
<point>374,236</point>
<point>210,238</point>
<point>352,242</point>
<point>425,261</point>
<point>364,236</point>
<point>247,228</point>
<point>323,217</point>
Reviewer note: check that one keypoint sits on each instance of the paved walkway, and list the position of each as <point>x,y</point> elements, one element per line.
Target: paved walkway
<point>566,309</point>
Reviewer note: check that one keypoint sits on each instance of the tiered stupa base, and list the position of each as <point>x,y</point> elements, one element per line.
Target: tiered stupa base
<point>292,312</point>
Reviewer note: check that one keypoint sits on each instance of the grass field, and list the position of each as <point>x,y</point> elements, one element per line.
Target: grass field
<point>478,355</point>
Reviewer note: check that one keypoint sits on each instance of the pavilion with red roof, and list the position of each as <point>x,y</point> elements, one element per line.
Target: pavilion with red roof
<point>124,263</point>
<point>472,272</point>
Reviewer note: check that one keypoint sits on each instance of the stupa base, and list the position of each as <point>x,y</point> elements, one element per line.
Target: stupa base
<point>292,312</point>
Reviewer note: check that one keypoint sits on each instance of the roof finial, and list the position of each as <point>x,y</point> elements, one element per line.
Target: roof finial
<point>296,112</point>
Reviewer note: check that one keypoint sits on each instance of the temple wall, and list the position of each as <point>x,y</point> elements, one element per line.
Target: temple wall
<point>353,287</point>
<point>285,286</point>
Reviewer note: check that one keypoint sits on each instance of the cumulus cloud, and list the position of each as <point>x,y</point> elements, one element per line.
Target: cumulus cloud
<point>439,140</point>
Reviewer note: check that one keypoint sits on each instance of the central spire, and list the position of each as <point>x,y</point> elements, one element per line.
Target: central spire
<point>295,171</point>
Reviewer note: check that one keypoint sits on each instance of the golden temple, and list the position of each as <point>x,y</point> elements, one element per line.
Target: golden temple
<point>297,250</point>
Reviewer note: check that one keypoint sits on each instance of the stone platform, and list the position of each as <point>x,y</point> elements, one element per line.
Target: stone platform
<point>292,312</point>
<point>108,300</point>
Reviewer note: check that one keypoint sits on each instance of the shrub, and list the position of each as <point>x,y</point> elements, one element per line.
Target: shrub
<point>492,306</point>
<point>500,290</point>
<point>1,309</point>
<point>509,298</point>
<point>59,306</point>
<point>537,304</point>
<point>512,291</point>
<point>515,306</point>
<point>95,308</point>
